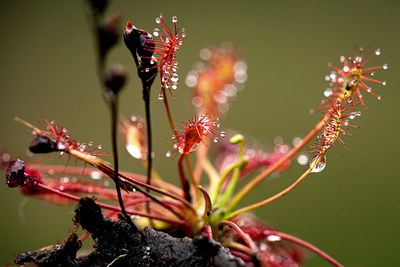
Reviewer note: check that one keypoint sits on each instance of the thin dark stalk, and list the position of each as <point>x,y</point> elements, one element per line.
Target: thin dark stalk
<point>114,119</point>
<point>146,98</point>
<point>109,207</point>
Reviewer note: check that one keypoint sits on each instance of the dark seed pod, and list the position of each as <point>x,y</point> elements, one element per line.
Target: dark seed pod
<point>109,33</point>
<point>141,45</point>
<point>114,79</point>
<point>42,144</point>
<point>97,7</point>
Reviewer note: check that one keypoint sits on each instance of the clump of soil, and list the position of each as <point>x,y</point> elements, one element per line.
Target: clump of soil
<point>120,243</point>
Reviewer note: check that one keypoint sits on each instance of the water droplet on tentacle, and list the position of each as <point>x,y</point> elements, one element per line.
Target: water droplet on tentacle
<point>318,163</point>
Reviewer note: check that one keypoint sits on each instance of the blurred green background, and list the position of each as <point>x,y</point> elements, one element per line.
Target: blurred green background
<point>349,210</point>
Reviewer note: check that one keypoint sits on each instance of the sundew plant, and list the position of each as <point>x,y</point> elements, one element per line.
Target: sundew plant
<point>217,168</point>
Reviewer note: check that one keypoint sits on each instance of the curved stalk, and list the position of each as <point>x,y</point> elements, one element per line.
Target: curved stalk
<point>268,200</point>
<point>304,244</point>
<point>184,182</point>
<point>271,169</point>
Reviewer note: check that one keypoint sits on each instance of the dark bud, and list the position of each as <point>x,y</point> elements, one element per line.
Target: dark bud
<point>141,45</point>
<point>42,144</point>
<point>109,33</point>
<point>146,48</point>
<point>132,40</point>
<point>147,70</point>
<point>114,79</point>
<point>15,174</point>
<point>97,7</point>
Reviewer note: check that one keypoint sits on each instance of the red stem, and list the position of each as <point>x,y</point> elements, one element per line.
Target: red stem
<point>184,182</point>
<point>304,244</point>
<point>108,207</point>
<point>87,172</point>
<point>241,255</point>
<point>246,238</point>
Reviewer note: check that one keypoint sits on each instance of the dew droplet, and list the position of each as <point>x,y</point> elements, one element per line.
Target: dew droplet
<point>385,66</point>
<point>302,159</point>
<point>197,101</point>
<point>296,141</point>
<point>90,143</point>
<point>5,157</point>
<point>175,77</point>
<point>369,90</point>
<point>134,151</point>
<point>222,134</point>
<point>174,87</point>
<point>215,140</point>
<point>379,97</point>
<point>99,147</point>
<point>274,238</point>
<point>95,175</point>
<point>384,83</point>
<point>160,96</point>
<point>158,20</point>
<point>372,73</point>
<point>378,51</point>
<point>156,32</point>
<point>174,19</point>
<point>64,179</point>
<point>318,163</point>
<point>168,154</point>
<point>328,92</point>
<point>146,69</point>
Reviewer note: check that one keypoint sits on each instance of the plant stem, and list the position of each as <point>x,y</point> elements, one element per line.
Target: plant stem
<point>268,200</point>
<point>184,182</point>
<point>107,206</point>
<point>271,169</point>
<point>87,172</point>
<point>173,129</point>
<point>231,187</point>
<point>146,98</point>
<point>221,181</point>
<point>245,237</point>
<point>114,120</point>
<point>304,244</point>
<point>168,110</point>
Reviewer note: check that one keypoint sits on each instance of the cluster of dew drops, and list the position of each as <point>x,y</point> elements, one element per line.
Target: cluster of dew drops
<point>166,59</point>
<point>333,77</point>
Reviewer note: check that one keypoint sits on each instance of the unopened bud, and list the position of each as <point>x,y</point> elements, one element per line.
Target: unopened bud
<point>109,33</point>
<point>141,45</point>
<point>97,6</point>
<point>114,79</point>
<point>42,144</point>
